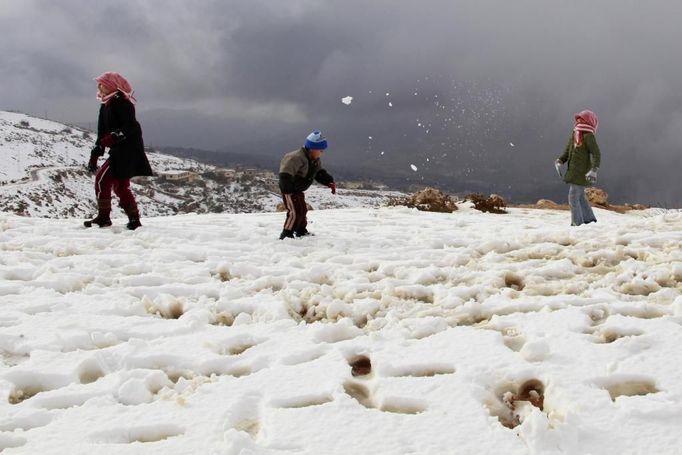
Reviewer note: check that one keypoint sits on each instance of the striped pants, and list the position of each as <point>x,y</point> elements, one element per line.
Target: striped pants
<point>105,182</point>
<point>296,212</point>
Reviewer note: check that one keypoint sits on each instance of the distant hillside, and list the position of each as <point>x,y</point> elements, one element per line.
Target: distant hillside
<point>42,173</point>
<point>223,159</point>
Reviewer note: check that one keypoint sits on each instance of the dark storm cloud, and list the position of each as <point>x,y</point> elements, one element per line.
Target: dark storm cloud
<point>467,79</point>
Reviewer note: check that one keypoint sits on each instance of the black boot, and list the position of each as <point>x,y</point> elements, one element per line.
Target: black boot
<point>103,218</point>
<point>133,217</point>
<point>286,233</point>
<point>303,232</point>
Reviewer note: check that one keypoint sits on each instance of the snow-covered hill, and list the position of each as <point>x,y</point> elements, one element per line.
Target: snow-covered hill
<point>42,173</point>
<point>391,331</point>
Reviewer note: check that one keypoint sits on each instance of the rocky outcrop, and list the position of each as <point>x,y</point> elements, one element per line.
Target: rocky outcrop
<point>597,196</point>
<point>491,204</point>
<point>547,204</point>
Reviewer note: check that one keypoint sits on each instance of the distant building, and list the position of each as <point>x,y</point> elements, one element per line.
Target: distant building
<point>364,185</point>
<point>355,185</point>
<point>272,184</point>
<point>179,176</point>
<point>251,172</point>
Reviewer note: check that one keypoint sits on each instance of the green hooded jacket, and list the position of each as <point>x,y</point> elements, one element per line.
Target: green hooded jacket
<point>581,159</point>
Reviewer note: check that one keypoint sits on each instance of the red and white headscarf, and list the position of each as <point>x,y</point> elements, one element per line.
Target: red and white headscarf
<point>585,122</point>
<point>116,83</point>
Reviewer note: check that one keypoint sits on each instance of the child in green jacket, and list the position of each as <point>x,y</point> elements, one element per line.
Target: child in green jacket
<point>583,158</point>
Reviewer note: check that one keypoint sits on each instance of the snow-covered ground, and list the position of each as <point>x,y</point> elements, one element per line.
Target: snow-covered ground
<point>391,331</point>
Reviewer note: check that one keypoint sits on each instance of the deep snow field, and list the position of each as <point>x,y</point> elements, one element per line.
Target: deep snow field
<point>390,331</point>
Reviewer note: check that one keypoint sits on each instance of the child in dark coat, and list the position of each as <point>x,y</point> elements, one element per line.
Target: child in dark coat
<point>119,131</point>
<point>297,171</point>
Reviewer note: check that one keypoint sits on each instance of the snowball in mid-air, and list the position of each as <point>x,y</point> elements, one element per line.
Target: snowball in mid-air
<point>347,100</point>
<point>414,168</point>
<point>512,144</point>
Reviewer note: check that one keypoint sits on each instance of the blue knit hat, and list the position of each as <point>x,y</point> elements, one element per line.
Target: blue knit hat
<point>315,141</point>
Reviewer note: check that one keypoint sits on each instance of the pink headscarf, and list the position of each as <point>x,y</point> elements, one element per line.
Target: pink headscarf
<point>589,124</point>
<point>115,82</point>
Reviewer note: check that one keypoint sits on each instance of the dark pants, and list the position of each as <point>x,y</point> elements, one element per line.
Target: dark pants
<point>105,182</point>
<point>296,212</point>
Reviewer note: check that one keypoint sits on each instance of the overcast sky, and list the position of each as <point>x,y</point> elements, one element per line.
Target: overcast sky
<point>475,93</point>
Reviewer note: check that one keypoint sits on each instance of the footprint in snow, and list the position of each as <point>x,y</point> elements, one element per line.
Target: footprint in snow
<point>513,402</point>
<point>361,368</point>
<point>297,358</point>
<point>303,401</point>
<point>513,338</point>
<point>137,434</point>
<point>398,405</point>
<point>620,385</point>
<point>245,416</point>
<point>610,335</point>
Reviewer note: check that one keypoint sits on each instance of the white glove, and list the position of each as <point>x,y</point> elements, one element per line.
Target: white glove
<point>557,166</point>
<point>592,176</point>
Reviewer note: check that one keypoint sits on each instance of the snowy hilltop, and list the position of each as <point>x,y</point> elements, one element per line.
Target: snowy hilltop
<point>391,331</point>
<point>42,173</point>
